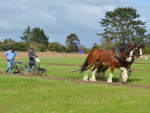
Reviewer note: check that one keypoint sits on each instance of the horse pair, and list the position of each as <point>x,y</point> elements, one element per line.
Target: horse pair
<point>121,57</point>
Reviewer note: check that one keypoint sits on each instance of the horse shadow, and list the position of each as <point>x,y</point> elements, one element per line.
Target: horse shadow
<point>132,80</point>
<point>128,81</point>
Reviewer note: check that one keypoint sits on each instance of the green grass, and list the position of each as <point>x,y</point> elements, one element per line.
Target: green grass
<point>20,94</point>
<point>137,77</point>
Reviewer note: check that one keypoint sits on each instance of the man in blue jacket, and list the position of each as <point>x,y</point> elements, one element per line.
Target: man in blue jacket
<point>32,56</point>
<point>9,55</point>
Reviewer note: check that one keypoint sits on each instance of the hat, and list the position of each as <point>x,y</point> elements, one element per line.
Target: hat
<point>31,47</point>
<point>12,48</point>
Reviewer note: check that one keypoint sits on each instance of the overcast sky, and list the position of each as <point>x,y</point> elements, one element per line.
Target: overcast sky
<point>60,18</point>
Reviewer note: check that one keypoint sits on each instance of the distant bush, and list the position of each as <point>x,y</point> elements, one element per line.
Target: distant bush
<point>55,46</point>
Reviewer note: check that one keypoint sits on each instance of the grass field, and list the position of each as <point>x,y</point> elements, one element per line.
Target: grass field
<point>36,94</point>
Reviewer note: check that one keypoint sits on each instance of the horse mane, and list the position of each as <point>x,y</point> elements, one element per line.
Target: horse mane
<point>123,46</point>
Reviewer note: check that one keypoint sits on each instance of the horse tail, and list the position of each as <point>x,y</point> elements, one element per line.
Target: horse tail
<point>84,66</point>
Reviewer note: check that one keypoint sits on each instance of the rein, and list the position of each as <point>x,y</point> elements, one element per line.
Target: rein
<point>100,61</point>
<point>88,65</point>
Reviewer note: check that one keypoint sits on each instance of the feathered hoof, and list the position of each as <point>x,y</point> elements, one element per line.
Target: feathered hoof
<point>123,82</point>
<point>109,81</point>
<point>104,79</point>
<point>92,79</point>
<point>85,78</point>
<point>98,77</point>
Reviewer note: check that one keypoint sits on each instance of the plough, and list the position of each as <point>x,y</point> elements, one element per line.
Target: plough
<point>21,67</point>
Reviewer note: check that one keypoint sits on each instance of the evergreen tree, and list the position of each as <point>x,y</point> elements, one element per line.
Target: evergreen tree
<point>35,35</point>
<point>39,36</point>
<point>27,35</point>
<point>123,25</point>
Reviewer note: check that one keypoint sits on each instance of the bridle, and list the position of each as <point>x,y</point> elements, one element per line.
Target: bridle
<point>137,51</point>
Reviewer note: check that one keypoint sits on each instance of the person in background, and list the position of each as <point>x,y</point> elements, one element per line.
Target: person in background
<point>9,55</point>
<point>32,56</point>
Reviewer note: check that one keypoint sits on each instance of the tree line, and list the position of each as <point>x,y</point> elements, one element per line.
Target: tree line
<point>120,26</point>
<point>37,39</point>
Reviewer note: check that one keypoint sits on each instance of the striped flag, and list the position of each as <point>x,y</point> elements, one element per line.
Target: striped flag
<point>79,47</point>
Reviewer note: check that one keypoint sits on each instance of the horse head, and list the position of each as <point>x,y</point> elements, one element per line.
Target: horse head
<point>137,51</point>
<point>129,52</point>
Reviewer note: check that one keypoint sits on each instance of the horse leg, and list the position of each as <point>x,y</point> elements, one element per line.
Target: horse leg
<point>104,71</point>
<point>130,72</point>
<point>124,75</point>
<point>111,74</point>
<point>85,78</point>
<point>99,71</point>
<point>120,79</point>
<point>93,74</point>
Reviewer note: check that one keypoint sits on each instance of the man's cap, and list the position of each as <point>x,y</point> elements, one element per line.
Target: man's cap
<point>31,47</point>
<point>12,48</point>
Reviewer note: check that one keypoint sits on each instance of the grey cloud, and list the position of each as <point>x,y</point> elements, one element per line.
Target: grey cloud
<point>59,18</point>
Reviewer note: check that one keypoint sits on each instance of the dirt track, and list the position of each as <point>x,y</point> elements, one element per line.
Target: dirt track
<point>48,54</point>
<point>79,81</point>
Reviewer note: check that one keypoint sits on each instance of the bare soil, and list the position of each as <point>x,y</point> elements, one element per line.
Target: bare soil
<point>140,63</point>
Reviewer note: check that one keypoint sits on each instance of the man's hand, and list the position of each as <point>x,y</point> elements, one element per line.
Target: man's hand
<point>6,58</point>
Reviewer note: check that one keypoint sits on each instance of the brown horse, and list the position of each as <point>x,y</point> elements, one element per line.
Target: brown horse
<point>106,58</point>
<point>126,65</point>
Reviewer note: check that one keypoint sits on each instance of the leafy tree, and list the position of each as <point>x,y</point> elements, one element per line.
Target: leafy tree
<point>42,47</point>
<point>39,36</point>
<point>27,35</point>
<point>95,46</point>
<point>122,25</point>
<point>0,46</point>
<point>55,46</point>
<point>38,47</point>
<point>62,49</point>
<point>21,46</point>
<point>7,44</point>
<point>71,47</point>
<point>108,44</point>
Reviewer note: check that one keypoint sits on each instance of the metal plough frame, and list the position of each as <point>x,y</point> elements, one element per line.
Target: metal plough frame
<point>20,67</point>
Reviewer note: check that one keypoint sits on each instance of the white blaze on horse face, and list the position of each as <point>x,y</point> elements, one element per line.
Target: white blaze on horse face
<point>130,56</point>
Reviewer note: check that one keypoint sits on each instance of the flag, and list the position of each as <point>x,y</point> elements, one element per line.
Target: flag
<point>79,47</point>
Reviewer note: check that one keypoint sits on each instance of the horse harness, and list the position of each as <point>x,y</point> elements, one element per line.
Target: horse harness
<point>118,54</point>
